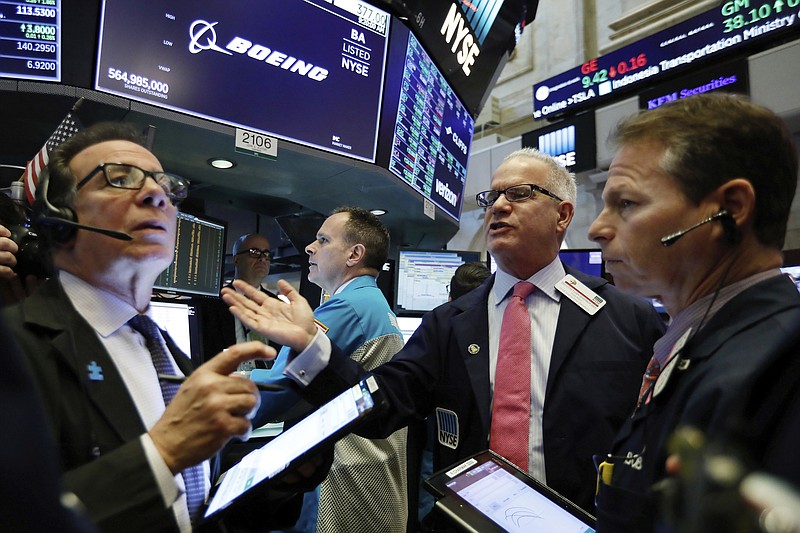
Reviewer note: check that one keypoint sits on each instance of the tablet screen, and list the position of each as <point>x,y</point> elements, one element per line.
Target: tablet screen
<point>323,425</point>
<point>486,489</point>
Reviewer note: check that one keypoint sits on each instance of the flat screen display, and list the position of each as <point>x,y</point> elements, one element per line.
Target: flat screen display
<point>30,40</point>
<point>487,493</point>
<point>426,132</point>
<point>423,277</point>
<point>408,325</point>
<point>199,257</point>
<point>308,71</point>
<point>715,34</point>
<point>319,429</point>
<point>469,40</point>
<point>587,261</point>
<point>180,320</point>
<point>572,142</point>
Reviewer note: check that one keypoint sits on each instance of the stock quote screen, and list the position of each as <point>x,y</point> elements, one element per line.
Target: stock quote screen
<point>712,34</point>
<point>431,131</point>
<point>30,40</point>
<point>308,71</point>
<point>199,257</point>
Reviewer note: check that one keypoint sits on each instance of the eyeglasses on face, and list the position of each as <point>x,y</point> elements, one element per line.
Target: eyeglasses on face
<point>123,176</point>
<point>517,193</point>
<point>255,253</point>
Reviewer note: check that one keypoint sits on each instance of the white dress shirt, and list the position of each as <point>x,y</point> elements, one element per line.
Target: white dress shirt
<point>108,316</point>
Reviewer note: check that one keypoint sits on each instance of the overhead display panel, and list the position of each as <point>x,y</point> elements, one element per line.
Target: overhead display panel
<point>309,71</point>
<point>713,34</point>
<point>470,41</point>
<point>426,131</point>
<point>30,40</point>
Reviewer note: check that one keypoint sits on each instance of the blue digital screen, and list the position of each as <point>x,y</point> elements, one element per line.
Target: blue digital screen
<point>714,33</point>
<point>308,71</point>
<point>30,40</point>
<point>426,132</point>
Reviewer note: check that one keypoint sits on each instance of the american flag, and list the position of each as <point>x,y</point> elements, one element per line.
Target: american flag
<point>68,127</point>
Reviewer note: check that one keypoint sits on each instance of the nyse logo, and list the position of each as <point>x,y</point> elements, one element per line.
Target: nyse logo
<point>444,191</point>
<point>456,32</point>
<point>560,144</point>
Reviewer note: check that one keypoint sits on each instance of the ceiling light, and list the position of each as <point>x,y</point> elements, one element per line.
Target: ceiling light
<point>218,162</point>
<point>378,212</point>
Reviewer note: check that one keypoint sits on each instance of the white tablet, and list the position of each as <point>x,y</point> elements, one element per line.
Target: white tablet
<point>321,428</point>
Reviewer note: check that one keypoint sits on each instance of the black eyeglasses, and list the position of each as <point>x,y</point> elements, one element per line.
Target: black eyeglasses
<point>517,193</point>
<point>255,253</point>
<point>123,176</point>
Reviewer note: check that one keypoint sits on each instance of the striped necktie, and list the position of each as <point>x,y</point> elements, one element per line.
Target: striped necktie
<point>192,476</point>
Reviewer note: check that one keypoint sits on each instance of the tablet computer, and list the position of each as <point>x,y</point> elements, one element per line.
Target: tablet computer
<point>321,428</point>
<point>487,493</point>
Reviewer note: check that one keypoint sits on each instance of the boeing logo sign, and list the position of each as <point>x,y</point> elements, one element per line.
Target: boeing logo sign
<point>203,37</point>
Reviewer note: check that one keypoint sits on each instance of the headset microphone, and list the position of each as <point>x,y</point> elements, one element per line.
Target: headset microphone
<point>672,238</point>
<point>55,221</point>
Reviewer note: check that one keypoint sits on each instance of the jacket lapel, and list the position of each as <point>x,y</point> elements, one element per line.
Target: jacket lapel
<point>572,320</point>
<point>82,352</point>
<point>471,334</point>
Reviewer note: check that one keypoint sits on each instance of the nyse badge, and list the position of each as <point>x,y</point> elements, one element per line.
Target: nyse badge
<point>473,349</point>
<point>447,426</point>
<point>95,371</point>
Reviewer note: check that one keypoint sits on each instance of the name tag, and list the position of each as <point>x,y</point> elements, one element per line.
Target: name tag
<point>580,294</point>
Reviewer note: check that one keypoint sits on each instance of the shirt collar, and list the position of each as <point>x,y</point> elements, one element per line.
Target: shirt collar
<point>545,281</point>
<point>699,314</point>
<point>104,311</point>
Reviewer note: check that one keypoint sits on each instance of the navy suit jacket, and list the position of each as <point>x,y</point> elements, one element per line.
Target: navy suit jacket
<point>715,369</point>
<point>595,373</point>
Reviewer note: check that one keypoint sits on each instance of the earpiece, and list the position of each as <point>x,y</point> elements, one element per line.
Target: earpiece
<point>48,219</point>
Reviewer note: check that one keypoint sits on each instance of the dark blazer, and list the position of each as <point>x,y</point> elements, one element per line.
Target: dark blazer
<point>94,420</point>
<point>717,366</point>
<point>30,474</point>
<point>595,373</point>
<point>218,326</point>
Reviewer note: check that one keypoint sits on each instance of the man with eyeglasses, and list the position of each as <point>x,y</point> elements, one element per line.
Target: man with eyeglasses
<point>590,343</point>
<point>251,261</point>
<point>136,453</point>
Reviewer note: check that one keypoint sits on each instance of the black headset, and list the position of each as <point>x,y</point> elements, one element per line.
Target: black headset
<point>49,220</point>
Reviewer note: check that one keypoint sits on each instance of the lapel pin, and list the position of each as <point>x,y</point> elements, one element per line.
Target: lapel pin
<point>473,349</point>
<point>95,371</point>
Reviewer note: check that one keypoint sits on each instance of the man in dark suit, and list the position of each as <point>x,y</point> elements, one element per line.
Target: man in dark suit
<point>251,260</point>
<point>128,457</point>
<point>586,361</point>
<point>697,206</point>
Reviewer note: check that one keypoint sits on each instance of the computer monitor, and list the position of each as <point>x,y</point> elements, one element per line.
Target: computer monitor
<point>588,261</point>
<point>199,257</point>
<point>423,277</point>
<point>180,320</point>
<point>408,325</point>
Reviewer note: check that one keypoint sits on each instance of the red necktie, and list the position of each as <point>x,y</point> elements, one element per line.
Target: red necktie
<point>511,406</point>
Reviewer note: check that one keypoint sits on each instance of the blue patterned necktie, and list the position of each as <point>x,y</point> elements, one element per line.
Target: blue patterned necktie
<point>192,476</point>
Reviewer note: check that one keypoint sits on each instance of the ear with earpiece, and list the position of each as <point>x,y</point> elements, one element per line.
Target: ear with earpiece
<point>732,233</point>
<point>47,218</point>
